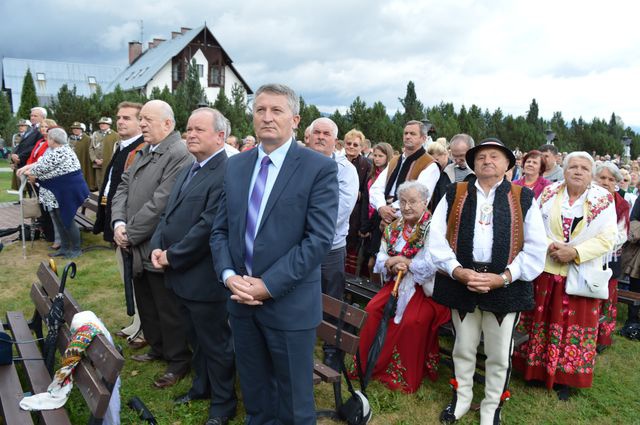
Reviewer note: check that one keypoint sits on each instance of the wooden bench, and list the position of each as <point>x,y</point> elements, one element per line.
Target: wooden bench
<point>353,319</point>
<point>360,289</point>
<point>628,297</point>
<point>82,219</point>
<point>94,376</point>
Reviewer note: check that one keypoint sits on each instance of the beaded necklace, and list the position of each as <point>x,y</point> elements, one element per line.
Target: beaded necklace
<point>414,237</point>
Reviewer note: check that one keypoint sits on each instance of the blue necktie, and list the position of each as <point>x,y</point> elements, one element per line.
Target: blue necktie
<point>194,169</point>
<point>253,210</point>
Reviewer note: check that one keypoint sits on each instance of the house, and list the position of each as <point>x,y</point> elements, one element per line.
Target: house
<point>50,76</point>
<point>165,63</point>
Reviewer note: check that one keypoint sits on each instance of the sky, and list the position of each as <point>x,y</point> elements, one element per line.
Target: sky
<point>578,57</point>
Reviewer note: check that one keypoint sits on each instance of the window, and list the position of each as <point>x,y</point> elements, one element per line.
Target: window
<point>92,80</point>
<point>40,76</point>
<point>216,75</point>
<point>200,70</point>
<point>176,71</point>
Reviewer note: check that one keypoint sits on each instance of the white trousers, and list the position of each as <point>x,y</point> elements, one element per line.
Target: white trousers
<point>498,347</point>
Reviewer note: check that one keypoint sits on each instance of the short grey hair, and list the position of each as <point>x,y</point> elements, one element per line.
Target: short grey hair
<point>579,154</point>
<point>40,110</point>
<point>422,190</point>
<point>165,109</point>
<point>462,138</point>
<point>219,121</point>
<point>227,128</point>
<point>334,127</point>
<point>615,171</point>
<point>280,89</point>
<point>423,128</point>
<point>58,136</point>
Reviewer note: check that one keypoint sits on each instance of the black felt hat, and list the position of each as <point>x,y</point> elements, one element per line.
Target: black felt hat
<point>491,142</point>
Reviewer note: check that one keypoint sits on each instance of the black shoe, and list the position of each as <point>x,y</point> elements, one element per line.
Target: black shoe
<point>446,416</point>
<point>187,398</point>
<point>217,420</point>
<point>564,392</point>
<point>600,348</point>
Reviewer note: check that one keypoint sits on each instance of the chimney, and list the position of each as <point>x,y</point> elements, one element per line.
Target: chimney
<point>152,44</point>
<point>175,34</point>
<point>158,41</point>
<point>184,29</point>
<point>135,50</point>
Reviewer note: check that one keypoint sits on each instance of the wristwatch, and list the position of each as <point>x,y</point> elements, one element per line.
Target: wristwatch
<point>505,280</point>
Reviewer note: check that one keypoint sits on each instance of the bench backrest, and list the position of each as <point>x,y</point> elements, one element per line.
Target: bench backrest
<point>353,319</point>
<point>98,371</point>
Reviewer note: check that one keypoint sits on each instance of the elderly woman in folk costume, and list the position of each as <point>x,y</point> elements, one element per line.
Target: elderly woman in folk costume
<point>410,351</point>
<point>609,176</point>
<point>581,226</point>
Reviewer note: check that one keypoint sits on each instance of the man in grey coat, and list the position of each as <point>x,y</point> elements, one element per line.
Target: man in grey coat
<point>136,209</point>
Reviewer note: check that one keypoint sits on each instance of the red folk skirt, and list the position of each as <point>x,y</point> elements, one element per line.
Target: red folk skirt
<point>563,330</point>
<point>608,309</point>
<point>410,352</point>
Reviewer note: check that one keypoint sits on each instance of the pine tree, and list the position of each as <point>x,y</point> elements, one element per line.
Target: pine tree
<point>7,122</point>
<point>68,107</point>
<point>308,113</point>
<point>413,108</point>
<point>241,123</point>
<point>189,95</point>
<point>28,98</point>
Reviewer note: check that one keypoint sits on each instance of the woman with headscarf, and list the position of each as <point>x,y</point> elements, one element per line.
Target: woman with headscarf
<point>581,226</point>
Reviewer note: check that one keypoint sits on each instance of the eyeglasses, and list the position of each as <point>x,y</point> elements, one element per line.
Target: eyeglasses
<point>627,180</point>
<point>352,144</point>
<point>410,204</point>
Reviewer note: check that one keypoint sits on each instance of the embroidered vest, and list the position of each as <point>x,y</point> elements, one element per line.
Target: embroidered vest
<point>510,207</point>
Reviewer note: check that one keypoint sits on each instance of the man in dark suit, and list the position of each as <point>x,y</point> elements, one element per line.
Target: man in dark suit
<point>274,226</point>
<point>180,248</point>
<point>22,152</point>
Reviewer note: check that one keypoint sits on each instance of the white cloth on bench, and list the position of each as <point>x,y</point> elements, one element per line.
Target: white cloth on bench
<point>85,326</point>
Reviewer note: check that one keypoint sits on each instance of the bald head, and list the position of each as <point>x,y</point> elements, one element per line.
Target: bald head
<point>156,121</point>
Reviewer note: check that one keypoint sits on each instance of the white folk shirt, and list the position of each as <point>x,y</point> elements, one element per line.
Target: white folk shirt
<point>428,177</point>
<point>527,264</point>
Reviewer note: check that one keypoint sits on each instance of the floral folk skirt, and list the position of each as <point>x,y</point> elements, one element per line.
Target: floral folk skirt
<point>410,351</point>
<point>563,332</point>
<point>609,311</point>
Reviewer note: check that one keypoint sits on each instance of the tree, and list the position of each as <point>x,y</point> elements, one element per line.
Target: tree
<point>28,98</point>
<point>7,122</point>
<point>189,95</point>
<point>68,107</point>
<point>222,103</point>
<point>532,113</point>
<point>308,113</point>
<point>241,122</point>
<point>413,108</point>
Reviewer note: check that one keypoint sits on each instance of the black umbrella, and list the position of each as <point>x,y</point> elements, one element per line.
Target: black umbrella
<point>55,319</point>
<point>378,341</point>
<point>127,265</point>
<point>136,404</point>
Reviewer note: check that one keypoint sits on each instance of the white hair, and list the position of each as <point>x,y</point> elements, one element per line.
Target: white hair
<point>334,127</point>
<point>422,190</point>
<point>579,154</point>
<point>615,171</point>
<point>40,110</point>
<point>58,135</point>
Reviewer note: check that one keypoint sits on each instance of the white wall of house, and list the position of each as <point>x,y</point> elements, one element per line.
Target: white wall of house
<point>161,79</point>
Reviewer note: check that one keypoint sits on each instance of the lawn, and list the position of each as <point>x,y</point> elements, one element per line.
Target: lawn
<point>5,183</point>
<point>612,400</point>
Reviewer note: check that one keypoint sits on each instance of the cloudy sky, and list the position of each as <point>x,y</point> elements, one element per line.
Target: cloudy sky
<point>578,57</point>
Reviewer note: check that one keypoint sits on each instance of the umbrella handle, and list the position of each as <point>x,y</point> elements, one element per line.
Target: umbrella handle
<point>71,266</point>
<point>394,292</point>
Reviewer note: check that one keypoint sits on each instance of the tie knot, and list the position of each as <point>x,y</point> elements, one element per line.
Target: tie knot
<point>265,161</point>
<point>195,167</point>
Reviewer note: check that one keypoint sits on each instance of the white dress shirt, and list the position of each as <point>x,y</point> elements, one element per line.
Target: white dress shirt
<point>348,185</point>
<point>527,264</point>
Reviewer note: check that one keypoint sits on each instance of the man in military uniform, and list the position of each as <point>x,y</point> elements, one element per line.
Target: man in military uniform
<point>101,149</point>
<point>80,142</point>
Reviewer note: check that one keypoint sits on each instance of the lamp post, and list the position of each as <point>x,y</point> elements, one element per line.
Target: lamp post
<point>626,148</point>
<point>550,135</point>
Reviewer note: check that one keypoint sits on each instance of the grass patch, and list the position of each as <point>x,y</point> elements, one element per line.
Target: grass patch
<point>5,183</point>
<point>97,287</point>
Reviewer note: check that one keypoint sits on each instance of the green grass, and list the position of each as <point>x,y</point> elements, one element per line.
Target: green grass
<point>613,399</point>
<point>5,183</point>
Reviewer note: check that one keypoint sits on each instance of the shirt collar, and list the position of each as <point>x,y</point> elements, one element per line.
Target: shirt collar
<point>127,142</point>
<point>203,163</point>
<point>277,156</point>
<point>491,191</point>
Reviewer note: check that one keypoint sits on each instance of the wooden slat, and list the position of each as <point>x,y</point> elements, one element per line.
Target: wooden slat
<point>628,297</point>
<point>325,372</point>
<point>353,316</point>
<point>348,341</point>
<point>316,379</point>
<point>36,370</point>
<point>10,395</point>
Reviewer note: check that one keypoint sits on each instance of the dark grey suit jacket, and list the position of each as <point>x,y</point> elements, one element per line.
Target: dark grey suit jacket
<point>184,231</point>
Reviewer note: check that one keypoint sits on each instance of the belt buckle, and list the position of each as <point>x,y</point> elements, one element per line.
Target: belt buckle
<point>103,201</point>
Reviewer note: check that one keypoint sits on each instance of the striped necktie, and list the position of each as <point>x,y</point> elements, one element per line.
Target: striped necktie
<point>253,210</point>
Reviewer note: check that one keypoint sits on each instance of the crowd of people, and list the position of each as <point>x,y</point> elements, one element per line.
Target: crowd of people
<point>246,236</point>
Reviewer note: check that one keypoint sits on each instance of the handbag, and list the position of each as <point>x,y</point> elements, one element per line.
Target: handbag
<point>31,206</point>
<point>588,280</point>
